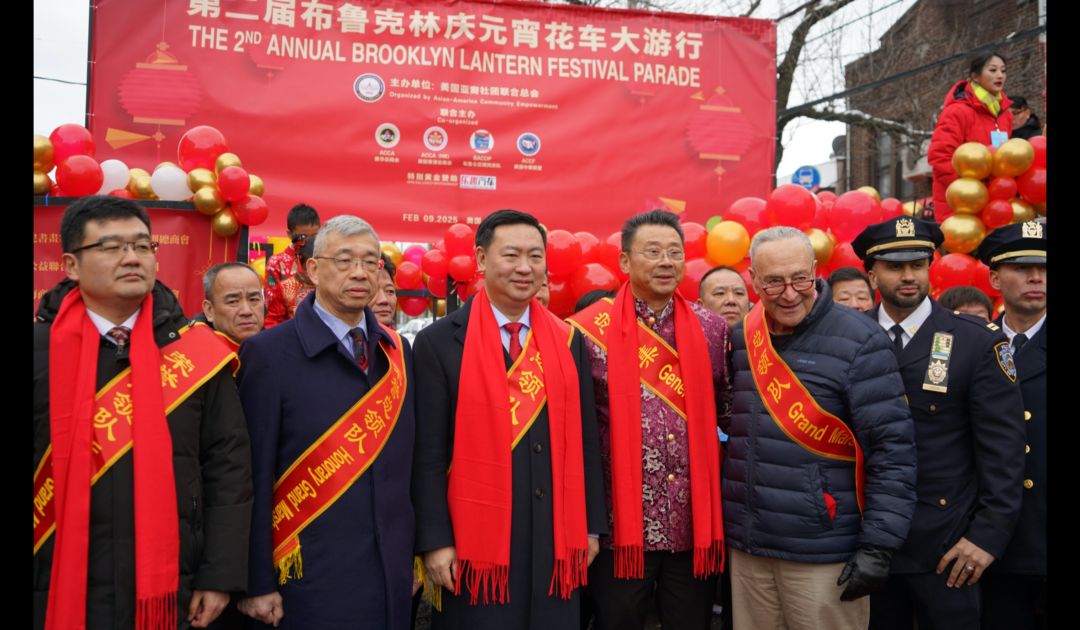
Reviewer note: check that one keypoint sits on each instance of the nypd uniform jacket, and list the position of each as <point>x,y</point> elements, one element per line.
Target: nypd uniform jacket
<point>970,440</point>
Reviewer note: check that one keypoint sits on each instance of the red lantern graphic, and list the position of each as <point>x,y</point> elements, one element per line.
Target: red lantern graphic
<point>160,91</point>
<point>719,131</point>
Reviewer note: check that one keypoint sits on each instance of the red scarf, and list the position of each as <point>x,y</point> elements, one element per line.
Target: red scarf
<point>481,485</point>
<point>624,392</point>
<point>72,389</point>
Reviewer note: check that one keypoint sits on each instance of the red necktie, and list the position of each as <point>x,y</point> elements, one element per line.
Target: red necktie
<point>515,343</point>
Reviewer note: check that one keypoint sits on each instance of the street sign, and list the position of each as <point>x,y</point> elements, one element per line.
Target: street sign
<point>808,177</point>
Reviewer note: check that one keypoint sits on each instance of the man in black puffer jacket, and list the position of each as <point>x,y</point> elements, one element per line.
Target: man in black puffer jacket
<point>791,515</point>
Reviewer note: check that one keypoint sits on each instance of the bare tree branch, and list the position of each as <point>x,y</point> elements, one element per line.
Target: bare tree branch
<point>753,7</point>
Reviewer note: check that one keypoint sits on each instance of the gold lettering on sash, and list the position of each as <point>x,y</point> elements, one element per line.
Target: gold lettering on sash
<point>167,377</point>
<point>122,405</point>
<point>602,320</point>
<point>647,354</point>
<point>356,434</point>
<point>530,384</point>
<point>104,420</point>
<point>513,409</point>
<point>776,388</point>
<point>181,362</point>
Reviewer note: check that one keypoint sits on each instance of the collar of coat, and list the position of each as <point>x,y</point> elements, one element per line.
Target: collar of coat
<point>315,336</point>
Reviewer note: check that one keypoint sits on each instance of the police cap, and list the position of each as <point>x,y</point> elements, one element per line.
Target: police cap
<point>1016,243</point>
<point>899,239</point>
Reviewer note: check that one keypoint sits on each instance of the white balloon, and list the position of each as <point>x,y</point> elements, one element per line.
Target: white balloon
<point>116,175</point>
<point>170,184</point>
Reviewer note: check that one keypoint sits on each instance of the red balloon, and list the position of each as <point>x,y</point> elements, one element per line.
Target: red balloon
<point>462,268</point>
<point>748,212</point>
<point>844,256</point>
<point>441,246</point>
<point>821,216</point>
<point>1002,188</point>
<point>561,297</point>
<point>953,270</point>
<point>591,277</point>
<point>609,255</point>
<point>122,193</point>
<point>459,241</point>
<point>791,205</point>
<point>437,285</point>
<point>200,148</point>
<point>825,196</point>
<point>472,287</point>
<point>413,306</point>
<point>251,210</point>
<point>408,276</point>
<point>852,212</point>
<point>997,213</point>
<point>233,183</point>
<point>981,281</point>
<point>590,248</point>
<point>434,263</point>
<point>55,191</point>
<point>69,140</point>
<point>563,252</point>
<point>750,293</point>
<point>742,265</point>
<point>1032,185</point>
<point>695,270</point>
<point>694,237</point>
<point>891,208</point>
<point>79,175</point>
<point>1039,144</point>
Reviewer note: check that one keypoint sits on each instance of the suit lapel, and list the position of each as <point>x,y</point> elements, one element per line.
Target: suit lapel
<point>1031,359</point>
<point>920,345</point>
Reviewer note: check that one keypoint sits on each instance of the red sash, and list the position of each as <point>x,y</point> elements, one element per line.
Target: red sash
<point>225,339</point>
<point>792,407</point>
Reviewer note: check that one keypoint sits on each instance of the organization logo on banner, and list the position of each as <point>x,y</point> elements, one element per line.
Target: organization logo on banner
<point>435,139</point>
<point>482,141</point>
<point>387,135</point>
<point>477,182</point>
<point>528,144</point>
<point>369,87</point>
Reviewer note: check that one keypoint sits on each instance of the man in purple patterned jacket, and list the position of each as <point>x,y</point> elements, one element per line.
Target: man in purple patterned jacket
<point>653,247</point>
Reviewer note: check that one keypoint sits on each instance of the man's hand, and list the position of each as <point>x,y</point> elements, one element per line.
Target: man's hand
<point>442,566</point>
<point>868,570</point>
<point>265,608</point>
<point>967,554</point>
<point>594,548</point>
<point>205,607</point>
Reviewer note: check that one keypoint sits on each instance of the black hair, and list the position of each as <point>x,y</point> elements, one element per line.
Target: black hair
<point>844,274</point>
<point>388,265</point>
<point>979,61</point>
<point>96,208</point>
<point>652,217</point>
<point>485,233</point>
<point>592,297</point>
<point>952,299</point>
<point>716,269</point>
<point>302,214</point>
<point>1019,103</point>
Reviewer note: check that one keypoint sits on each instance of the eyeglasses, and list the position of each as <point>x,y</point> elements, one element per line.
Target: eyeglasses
<point>119,248</point>
<point>776,288</point>
<point>345,264</point>
<point>654,255</point>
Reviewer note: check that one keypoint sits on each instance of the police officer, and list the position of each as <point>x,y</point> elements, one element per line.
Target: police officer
<point>961,386</point>
<point>1016,583</point>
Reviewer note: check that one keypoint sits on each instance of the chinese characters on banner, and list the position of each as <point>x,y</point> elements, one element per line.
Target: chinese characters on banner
<point>416,114</point>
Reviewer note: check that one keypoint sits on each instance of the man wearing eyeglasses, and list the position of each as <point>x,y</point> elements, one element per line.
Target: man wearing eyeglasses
<point>142,483</point>
<point>659,372</point>
<point>328,396</point>
<point>821,451</point>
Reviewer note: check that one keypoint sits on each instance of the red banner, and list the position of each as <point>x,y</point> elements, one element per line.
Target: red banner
<point>417,113</point>
<point>188,248</point>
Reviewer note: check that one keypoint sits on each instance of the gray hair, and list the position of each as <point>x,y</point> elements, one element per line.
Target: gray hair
<point>211,275</point>
<point>345,225</point>
<point>779,233</point>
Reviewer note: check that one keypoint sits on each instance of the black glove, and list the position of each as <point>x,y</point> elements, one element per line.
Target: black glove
<point>868,570</point>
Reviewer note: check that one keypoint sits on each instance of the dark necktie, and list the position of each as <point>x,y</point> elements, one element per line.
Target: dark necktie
<point>898,341</point>
<point>359,347</point>
<point>120,334</point>
<point>515,344</point>
<point>1019,341</point>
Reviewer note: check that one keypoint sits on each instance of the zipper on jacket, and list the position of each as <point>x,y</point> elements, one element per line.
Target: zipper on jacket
<point>750,473</point>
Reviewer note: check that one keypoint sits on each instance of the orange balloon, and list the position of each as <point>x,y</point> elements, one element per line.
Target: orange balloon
<point>727,243</point>
<point>1040,208</point>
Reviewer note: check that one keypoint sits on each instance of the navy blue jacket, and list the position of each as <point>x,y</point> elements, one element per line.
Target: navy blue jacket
<point>296,380</point>
<point>970,438</point>
<point>773,489</point>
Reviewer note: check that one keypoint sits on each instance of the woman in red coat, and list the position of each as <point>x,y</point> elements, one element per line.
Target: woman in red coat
<point>976,110</point>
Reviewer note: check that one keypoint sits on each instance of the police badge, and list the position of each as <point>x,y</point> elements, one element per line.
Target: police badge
<point>937,373</point>
<point>1005,360</point>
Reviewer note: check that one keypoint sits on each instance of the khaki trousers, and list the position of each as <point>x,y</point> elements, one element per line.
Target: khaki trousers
<point>768,594</point>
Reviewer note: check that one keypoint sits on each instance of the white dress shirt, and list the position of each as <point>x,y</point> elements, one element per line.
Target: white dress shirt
<point>911,323</point>
<point>1029,333</point>
<point>340,328</point>
<point>502,320</point>
<point>104,326</point>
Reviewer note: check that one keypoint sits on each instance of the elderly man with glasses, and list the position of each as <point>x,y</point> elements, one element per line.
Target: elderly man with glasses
<point>819,480</point>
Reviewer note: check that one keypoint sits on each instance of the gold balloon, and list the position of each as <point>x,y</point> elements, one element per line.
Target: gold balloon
<point>1013,158</point>
<point>823,246</point>
<point>972,159</point>
<point>963,233</point>
<point>162,165</point>
<point>835,241</point>
<point>200,178</point>
<point>1040,208</point>
<point>42,183</point>
<point>967,196</point>
<point>257,186</point>
<point>143,190</point>
<point>43,154</point>
<point>136,173</point>
<point>440,307</point>
<point>209,201</point>
<point>911,208</point>
<point>393,252</point>
<point>870,190</point>
<point>225,223</point>
<point>224,161</point>
<point>1022,211</point>
<point>727,243</point>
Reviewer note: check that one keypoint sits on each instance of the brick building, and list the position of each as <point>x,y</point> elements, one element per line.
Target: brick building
<point>932,30</point>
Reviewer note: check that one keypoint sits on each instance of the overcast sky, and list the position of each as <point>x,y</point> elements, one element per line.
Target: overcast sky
<point>60,34</point>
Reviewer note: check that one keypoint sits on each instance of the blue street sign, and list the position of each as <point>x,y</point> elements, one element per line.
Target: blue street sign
<point>808,177</point>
